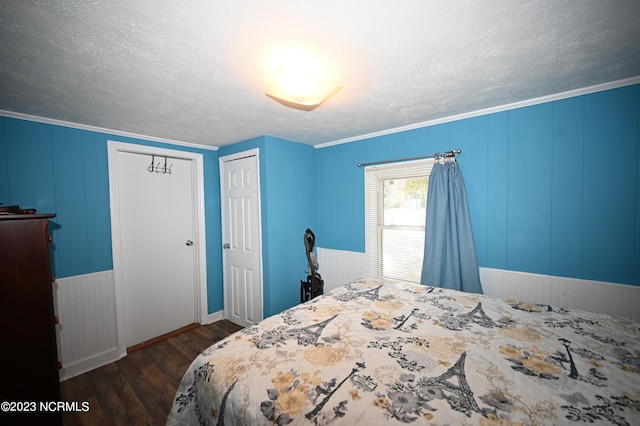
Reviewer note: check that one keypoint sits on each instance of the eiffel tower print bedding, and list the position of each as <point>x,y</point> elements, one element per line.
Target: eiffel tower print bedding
<point>379,353</point>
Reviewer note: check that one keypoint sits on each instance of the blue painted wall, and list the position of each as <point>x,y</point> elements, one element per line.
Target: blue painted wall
<point>553,188</point>
<point>65,171</point>
<point>287,187</point>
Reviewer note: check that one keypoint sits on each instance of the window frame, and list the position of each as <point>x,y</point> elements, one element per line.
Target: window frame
<point>375,175</point>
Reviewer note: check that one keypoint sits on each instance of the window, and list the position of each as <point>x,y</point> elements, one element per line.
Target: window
<point>395,211</point>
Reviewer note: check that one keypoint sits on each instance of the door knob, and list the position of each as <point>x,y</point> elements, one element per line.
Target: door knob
<point>226,246</point>
<point>189,242</point>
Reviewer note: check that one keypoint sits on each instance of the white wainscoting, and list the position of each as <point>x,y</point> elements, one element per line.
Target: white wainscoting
<point>87,334</point>
<point>595,296</point>
<point>86,309</point>
<point>338,267</point>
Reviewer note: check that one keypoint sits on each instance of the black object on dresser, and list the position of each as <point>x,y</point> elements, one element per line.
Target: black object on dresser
<point>30,383</point>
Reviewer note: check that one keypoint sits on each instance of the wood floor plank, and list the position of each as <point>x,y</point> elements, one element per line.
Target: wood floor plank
<point>96,417</point>
<point>183,347</point>
<point>170,360</point>
<point>108,394</point>
<point>159,386</point>
<point>139,388</point>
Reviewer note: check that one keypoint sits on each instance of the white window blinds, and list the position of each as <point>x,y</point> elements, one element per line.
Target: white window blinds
<point>395,211</point>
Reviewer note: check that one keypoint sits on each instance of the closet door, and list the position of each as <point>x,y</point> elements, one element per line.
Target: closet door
<point>242,254</point>
<point>156,213</point>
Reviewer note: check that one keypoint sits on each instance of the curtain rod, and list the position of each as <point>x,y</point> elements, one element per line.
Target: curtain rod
<point>434,155</point>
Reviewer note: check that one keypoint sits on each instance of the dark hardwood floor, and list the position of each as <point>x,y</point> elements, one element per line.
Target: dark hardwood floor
<point>139,388</point>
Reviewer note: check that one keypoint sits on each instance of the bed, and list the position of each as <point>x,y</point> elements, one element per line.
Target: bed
<point>384,352</point>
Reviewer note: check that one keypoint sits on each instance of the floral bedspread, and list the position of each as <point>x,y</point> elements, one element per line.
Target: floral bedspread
<point>376,352</point>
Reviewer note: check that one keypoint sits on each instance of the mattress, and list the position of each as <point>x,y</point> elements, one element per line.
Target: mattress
<point>387,352</point>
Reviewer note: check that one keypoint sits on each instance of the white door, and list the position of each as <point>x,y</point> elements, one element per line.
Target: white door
<point>156,216</point>
<point>241,238</point>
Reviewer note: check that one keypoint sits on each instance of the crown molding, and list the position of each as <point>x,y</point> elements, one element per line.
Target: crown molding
<point>492,110</point>
<point>114,132</point>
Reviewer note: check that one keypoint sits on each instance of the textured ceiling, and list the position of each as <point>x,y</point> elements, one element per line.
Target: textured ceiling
<point>195,70</point>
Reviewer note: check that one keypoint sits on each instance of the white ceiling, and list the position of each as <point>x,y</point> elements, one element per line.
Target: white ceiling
<point>195,70</point>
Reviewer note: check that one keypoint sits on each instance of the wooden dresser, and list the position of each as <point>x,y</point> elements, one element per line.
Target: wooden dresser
<point>29,356</point>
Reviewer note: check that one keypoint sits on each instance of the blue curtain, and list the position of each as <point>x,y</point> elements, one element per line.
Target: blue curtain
<point>450,259</point>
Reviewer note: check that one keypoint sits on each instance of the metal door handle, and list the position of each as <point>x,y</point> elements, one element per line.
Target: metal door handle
<point>226,246</point>
<point>189,242</point>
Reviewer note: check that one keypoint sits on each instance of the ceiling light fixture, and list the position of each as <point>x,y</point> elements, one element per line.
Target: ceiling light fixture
<point>297,82</point>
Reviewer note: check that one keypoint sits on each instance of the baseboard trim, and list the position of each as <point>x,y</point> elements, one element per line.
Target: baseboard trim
<point>79,367</point>
<point>163,337</point>
<point>209,318</point>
